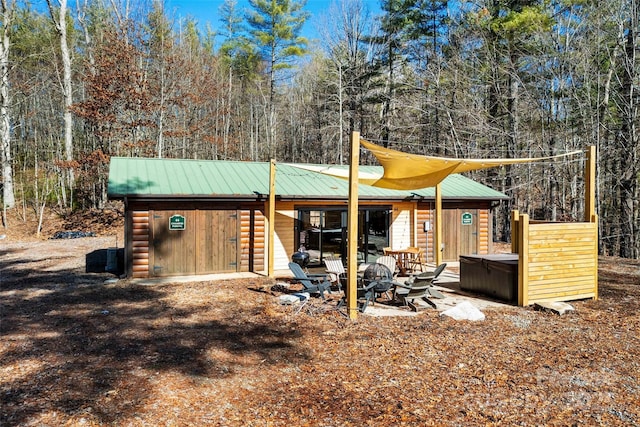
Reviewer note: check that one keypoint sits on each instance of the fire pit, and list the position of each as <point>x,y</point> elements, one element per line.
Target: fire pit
<point>381,275</point>
<point>301,258</point>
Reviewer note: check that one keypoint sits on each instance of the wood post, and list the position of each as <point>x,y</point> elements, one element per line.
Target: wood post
<point>352,229</point>
<point>514,231</point>
<point>271,217</point>
<point>523,260</point>
<point>590,204</point>
<point>438,244</point>
<point>594,219</point>
<point>590,185</point>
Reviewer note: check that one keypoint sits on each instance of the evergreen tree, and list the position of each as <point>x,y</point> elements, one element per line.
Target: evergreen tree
<point>275,27</point>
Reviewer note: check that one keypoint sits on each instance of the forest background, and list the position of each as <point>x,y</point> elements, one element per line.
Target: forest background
<point>82,82</point>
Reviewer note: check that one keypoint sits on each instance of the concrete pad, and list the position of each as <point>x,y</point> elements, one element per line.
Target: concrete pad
<point>194,279</point>
<point>383,310</point>
<point>454,297</point>
<point>448,285</point>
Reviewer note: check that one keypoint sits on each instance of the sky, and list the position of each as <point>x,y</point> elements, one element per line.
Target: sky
<point>207,11</point>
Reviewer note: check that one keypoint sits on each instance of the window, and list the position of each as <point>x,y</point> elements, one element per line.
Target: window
<point>322,232</point>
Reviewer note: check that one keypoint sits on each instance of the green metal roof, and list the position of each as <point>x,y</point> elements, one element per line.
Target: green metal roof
<point>150,177</point>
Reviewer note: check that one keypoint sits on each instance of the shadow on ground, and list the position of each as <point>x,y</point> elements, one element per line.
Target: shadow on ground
<point>73,343</point>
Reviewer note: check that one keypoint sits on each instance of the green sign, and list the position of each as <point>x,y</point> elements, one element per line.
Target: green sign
<point>177,222</point>
<point>467,218</point>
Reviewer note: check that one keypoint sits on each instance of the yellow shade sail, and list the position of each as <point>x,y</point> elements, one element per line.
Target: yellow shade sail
<point>403,171</point>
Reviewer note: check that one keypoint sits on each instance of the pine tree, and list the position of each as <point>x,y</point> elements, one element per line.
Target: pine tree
<point>275,27</point>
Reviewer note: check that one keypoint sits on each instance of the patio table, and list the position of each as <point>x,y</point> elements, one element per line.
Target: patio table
<point>405,258</point>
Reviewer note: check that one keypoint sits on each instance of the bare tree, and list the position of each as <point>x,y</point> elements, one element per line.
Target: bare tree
<point>346,31</point>
<point>59,17</point>
<point>628,102</point>
<point>275,29</point>
<point>7,9</point>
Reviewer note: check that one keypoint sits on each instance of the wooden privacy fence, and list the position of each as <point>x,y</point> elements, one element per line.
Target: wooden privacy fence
<point>556,261</point>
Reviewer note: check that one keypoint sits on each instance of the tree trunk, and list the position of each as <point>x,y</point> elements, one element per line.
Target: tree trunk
<point>60,23</point>
<point>8,196</point>
<point>271,110</point>
<point>66,83</point>
<point>629,142</point>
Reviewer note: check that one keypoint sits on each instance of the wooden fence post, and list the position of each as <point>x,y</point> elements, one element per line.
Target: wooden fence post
<point>594,219</point>
<point>523,260</point>
<point>590,185</point>
<point>514,231</point>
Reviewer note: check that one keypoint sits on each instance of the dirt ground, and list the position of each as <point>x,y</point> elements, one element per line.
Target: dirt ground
<point>83,348</point>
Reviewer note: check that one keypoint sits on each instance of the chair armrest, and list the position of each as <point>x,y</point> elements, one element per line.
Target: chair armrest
<point>310,278</point>
<point>317,276</point>
<point>423,276</point>
<point>403,285</point>
<point>337,273</point>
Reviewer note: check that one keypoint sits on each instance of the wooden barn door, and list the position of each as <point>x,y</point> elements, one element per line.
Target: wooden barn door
<point>173,250</point>
<point>450,234</point>
<point>468,231</point>
<point>460,234</point>
<point>193,242</point>
<point>217,248</point>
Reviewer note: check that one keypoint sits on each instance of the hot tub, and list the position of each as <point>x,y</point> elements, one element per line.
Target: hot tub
<point>493,275</point>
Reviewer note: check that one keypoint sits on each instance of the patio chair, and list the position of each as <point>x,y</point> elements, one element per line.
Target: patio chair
<point>419,287</point>
<point>431,276</point>
<point>336,271</point>
<point>312,283</point>
<point>389,262</point>
<point>408,292</point>
<point>415,261</point>
<point>364,295</point>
